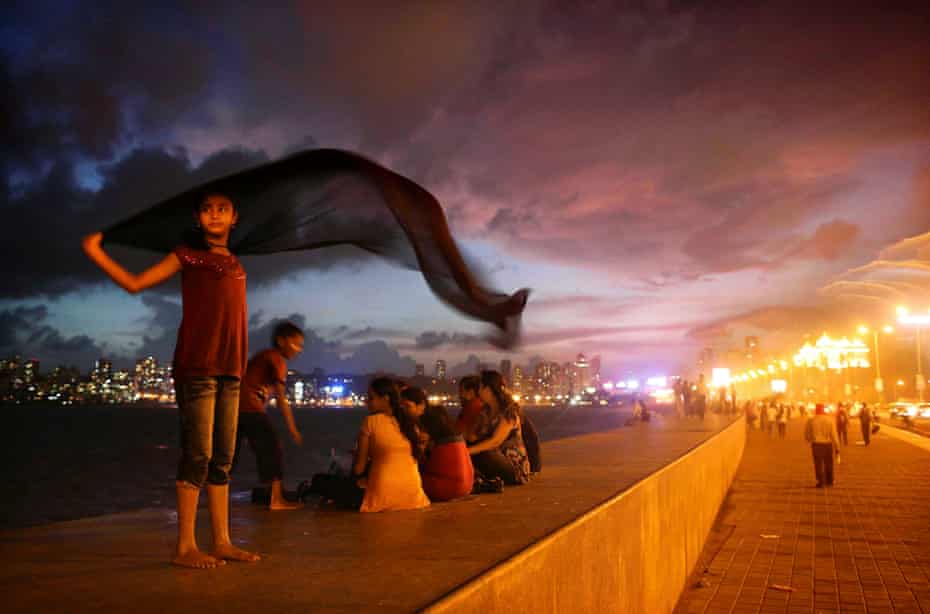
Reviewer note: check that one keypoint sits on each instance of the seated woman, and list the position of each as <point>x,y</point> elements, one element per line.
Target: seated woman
<point>499,450</point>
<point>384,471</point>
<point>446,470</point>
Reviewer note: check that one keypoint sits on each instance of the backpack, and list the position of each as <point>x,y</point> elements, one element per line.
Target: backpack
<point>531,443</point>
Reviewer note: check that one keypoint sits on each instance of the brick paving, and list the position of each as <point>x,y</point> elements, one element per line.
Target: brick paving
<point>861,546</point>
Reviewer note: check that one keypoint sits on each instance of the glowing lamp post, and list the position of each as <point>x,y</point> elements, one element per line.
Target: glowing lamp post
<point>918,321</point>
<point>879,383</point>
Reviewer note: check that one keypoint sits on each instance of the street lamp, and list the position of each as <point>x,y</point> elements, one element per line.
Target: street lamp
<point>917,321</point>
<point>879,384</point>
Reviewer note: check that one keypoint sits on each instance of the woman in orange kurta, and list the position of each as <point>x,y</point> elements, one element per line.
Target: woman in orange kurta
<point>389,449</point>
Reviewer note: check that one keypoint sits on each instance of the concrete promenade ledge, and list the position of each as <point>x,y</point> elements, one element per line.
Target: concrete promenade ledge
<point>780,545</point>
<point>323,560</point>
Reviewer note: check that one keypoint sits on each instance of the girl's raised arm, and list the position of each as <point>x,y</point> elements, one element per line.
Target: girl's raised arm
<point>127,281</point>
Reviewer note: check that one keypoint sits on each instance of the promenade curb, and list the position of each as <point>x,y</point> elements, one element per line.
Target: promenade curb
<point>596,563</point>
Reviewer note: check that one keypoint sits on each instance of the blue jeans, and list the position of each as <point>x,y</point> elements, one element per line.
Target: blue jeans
<point>209,411</point>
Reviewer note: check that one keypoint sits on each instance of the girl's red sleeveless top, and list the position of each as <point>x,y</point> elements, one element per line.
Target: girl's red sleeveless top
<point>213,337</point>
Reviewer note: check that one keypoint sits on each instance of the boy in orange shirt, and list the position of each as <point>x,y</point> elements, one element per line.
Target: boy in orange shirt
<point>265,378</point>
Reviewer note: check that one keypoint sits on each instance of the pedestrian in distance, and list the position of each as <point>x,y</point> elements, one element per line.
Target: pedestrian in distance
<point>842,423</point>
<point>820,433</point>
<point>781,419</point>
<point>865,423</point>
<point>750,409</point>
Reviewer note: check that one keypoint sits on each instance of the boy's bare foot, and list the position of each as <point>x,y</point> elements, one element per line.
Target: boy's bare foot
<point>285,505</point>
<point>232,553</point>
<point>197,560</point>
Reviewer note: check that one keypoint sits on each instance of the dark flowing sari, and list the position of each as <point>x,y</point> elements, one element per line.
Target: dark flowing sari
<point>327,197</point>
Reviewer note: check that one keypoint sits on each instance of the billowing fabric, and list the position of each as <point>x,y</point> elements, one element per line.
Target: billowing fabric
<point>326,197</point>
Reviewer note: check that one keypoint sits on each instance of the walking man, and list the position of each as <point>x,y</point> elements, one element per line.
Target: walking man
<point>781,419</point>
<point>865,421</point>
<point>820,432</point>
<point>842,423</point>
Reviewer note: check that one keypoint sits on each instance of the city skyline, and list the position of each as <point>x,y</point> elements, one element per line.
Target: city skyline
<point>151,381</point>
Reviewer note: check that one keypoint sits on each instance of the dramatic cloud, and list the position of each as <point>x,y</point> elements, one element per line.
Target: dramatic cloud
<point>24,331</point>
<point>431,340</point>
<point>714,160</point>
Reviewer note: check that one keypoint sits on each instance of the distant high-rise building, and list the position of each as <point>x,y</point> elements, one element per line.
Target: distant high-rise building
<point>582,373</point>
<point>518,379</point>
<point>548,378</point>
<point>103,371</point>
<point>441,370</point>
<point>148,378</point>
<point>543,371</point>
<point>10,365</point>
<point>506,370</point>
<point>569,377</point>
<point>560,381</point>
<point>30,371</point>
<point>596,370</point>
<point>420,369</point>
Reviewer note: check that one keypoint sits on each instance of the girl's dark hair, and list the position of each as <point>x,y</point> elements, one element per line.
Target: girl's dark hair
<point>495,382</point>
<point>193,237</point>
<point>285,330</point>
<point>385,386</point>
<point>469,382</point>
<point>414,394</point>
<point>437,423</point>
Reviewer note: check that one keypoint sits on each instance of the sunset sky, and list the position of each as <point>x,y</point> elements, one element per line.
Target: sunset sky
<point>663,178</point>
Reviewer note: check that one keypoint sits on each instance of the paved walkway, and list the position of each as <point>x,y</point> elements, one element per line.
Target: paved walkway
<point>780,545</point>
<point>322,560</point>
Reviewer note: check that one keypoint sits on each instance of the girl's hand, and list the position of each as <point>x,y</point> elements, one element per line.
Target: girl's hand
<point>92,242</point>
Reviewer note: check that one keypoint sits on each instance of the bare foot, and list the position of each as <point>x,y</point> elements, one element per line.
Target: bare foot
<point>285,505</point>
<point>232,553</point>
<point>197,560</point>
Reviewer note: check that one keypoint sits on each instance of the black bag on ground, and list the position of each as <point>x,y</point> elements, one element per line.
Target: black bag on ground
<point>531,443</point>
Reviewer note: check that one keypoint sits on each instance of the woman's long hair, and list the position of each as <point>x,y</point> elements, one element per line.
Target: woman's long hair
<point>385,386</point>
<point>414,395</point>
<point>437,423</point>
<point>495,382</point>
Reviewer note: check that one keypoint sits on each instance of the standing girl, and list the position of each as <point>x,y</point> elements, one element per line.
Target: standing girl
<point>209,361</point>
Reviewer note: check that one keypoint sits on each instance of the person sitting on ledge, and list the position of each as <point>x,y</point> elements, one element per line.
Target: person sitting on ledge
<point>471,407</point>
<point>384,471</point>
<point>446,469</point>
<point>499,451</point>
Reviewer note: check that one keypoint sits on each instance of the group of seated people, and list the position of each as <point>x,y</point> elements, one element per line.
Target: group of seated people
<point>410,453</point>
